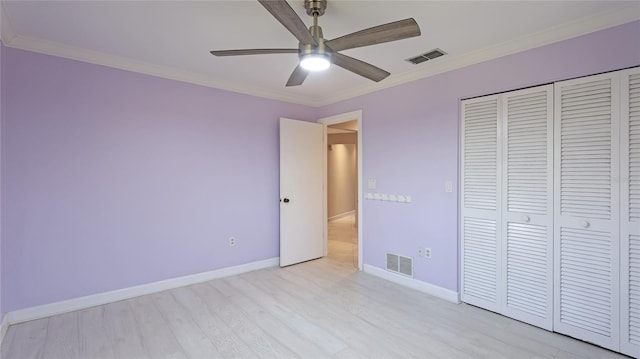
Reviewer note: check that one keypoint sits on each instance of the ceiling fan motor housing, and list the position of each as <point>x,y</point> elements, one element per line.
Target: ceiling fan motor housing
<point>307,49</point>
<point>320,49</point>
<point>315,7</point>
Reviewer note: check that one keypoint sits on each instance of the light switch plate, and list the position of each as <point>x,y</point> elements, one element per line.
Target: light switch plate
<point>372,183</point>
<point>448,186</point>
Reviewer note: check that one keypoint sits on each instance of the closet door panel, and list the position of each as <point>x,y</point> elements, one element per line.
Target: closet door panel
<point>527,202</point>
<point>586,228</point>
<point>630,215</point>
<point>480,215</point>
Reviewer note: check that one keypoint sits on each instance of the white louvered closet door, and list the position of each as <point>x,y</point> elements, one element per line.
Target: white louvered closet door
<point>527,202</point>
<point>586,228</point>
<point>480,228</point>
<point>630,215</point>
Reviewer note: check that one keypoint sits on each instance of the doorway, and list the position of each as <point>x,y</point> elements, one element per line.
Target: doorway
<point>343,163</point>
<point>342,191</point>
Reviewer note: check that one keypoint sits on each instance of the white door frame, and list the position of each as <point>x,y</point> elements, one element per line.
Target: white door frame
<point>344,117</point>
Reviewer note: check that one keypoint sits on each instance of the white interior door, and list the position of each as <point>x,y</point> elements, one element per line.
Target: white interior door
<point>507,204</point>
<point>586,303</point>
<point>527,202</point>
<point>301,191</point>
<point>480,192</point>
<point>630,215</point>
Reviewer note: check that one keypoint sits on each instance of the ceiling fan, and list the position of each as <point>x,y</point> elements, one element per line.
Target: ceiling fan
<point>316,53</point>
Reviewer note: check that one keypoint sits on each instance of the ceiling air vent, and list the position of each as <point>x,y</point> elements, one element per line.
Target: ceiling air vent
<point>426,56</point>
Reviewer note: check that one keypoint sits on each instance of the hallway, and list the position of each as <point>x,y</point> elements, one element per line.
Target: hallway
<point>343,240</point>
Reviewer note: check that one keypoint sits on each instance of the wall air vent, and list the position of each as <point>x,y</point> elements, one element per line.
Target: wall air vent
<point>426,56</point>
<point>399,264</point>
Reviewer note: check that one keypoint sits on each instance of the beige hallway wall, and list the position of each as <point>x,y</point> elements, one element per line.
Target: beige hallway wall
<point>342,176</point>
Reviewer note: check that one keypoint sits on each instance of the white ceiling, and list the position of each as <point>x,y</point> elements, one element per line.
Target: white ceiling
<point>173,38</point>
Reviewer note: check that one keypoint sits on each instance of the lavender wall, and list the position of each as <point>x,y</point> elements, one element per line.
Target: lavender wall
<point>114,179</point>
<point>410,142</point>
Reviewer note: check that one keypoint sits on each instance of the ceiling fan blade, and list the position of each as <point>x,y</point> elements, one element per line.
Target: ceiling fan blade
<point>392,31</point>
<point>252,52</point>
<point>283,12</point>
<point>297,77</point>
<point>359,67</point>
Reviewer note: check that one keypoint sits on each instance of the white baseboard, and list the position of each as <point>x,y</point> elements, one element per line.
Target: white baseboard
<point>431,289</point>
<point>47,310</point>
<point>4,325</point>
<point>342,215</point>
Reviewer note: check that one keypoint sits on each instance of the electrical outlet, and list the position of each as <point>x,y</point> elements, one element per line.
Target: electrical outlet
<point>427,252</point>
<point>232,241</point>
<point>420,252</point>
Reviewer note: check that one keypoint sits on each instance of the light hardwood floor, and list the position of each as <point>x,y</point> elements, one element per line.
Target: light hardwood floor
<point>319,309</point>
<point>343,240</point>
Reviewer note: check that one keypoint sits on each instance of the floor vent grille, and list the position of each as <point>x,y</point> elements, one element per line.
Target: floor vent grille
<point>399,264</point>
<point>427,56</point>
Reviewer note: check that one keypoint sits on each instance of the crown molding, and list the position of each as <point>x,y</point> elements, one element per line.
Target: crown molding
<point>6,31</point>
<point>547,36</point>
<point>123,63</point>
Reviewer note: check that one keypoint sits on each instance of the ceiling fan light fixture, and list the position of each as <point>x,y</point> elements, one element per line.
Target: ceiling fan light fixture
<point>314,55</point>
<point>315,62</point>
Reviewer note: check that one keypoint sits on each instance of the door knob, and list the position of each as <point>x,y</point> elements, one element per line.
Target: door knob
<point>286,200</point>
